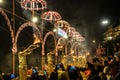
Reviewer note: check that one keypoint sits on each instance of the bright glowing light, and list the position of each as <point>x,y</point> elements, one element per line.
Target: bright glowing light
<point>109,38</point>
<point>62,33</point>
<point>93,41</point>
<point>65,36</point>
<point>105,22</point>
<point>55,30</point>
<point>1,1</point>
<point>34,19</point>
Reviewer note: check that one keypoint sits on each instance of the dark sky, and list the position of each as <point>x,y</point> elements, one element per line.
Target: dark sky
<point>84,15</point>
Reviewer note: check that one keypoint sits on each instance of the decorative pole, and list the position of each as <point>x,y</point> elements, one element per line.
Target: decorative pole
<point>33,5</point>
<point>14,48</point>
<point>52,17</point>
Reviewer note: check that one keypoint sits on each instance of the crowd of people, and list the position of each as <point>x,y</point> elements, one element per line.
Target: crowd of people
<point>99,68</point>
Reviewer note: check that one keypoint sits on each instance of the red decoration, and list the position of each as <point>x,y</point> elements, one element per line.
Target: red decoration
<point>51,16</point>
<point>33,4</point>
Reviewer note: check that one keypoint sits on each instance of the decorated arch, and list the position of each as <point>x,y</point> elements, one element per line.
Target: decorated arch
<point>8,23</point>
<point>50,33</point>
<point>73,50</point>
<point>27,24</point>
<point>68,47</point>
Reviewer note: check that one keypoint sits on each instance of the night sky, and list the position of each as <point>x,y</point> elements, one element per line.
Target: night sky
<point>84,15</point>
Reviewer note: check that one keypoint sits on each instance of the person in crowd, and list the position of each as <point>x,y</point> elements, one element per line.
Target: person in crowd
<point>62,73</point>
<point>54,74</point>
<point>29,73</point>
<point>74,73</point>
<point>6,77</point>
<point>34,75</point>
<point>84,77</point>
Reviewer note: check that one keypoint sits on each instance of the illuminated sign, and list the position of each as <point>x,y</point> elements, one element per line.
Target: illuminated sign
<point>62,33</point>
